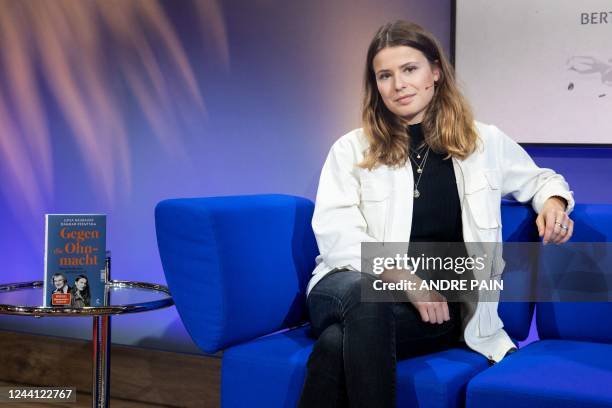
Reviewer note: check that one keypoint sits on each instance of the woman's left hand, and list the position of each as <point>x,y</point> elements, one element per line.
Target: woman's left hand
<point>553,222</point>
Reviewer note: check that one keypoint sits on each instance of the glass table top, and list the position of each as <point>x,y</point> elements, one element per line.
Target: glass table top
<point>26,298</point>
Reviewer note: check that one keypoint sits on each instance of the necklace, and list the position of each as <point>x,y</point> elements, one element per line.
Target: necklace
<point>420,169</point>
<point>420,150</point>
<point>418,156</point>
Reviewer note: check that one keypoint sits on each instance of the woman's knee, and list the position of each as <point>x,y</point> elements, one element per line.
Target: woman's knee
<point>382,312</point>
<point>329,344</point>
<point>344,292</point>
<point>342,287</point>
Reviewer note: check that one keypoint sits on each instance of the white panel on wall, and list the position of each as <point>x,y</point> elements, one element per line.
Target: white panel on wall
<point>541,70</point>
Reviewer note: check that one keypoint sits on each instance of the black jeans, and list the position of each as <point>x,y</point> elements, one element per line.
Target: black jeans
<point>358,343</point>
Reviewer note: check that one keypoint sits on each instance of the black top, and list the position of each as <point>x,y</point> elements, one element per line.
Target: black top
<point>436,216</point>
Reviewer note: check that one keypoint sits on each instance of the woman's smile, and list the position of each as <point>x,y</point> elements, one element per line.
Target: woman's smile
<point>405,100</point>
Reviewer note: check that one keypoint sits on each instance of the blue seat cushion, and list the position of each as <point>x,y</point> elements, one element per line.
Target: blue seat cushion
<point>271,371</point>
<point>547,373</point>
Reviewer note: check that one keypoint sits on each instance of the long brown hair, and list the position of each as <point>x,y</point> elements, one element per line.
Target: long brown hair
<point>448,122</point>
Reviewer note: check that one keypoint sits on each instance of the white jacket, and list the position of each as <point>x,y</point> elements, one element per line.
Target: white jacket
<point>355,205</point>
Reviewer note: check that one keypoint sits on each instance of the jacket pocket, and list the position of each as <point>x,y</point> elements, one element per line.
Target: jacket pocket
<point>483,195</point>
<point>375,191</point>
<point>493,177</point>
<point>375,197</point>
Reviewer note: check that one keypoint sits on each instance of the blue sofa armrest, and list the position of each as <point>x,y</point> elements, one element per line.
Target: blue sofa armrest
<point>237,267</point>
<point>518,221</point>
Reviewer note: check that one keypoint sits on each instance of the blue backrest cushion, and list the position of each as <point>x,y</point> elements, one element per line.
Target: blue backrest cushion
<point>588,321</point>
<point>237,266</point>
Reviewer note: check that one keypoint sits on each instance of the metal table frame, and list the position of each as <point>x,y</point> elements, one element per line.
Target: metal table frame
<point>101,325</point>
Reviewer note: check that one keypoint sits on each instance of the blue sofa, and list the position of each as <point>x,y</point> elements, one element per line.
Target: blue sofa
<point>238,267</point>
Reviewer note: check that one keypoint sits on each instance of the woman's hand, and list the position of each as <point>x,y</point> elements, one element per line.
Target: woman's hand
<point>553,222</point>
<point>432,306</point>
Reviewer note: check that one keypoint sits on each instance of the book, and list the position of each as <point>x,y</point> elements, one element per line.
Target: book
<point>75,260</point>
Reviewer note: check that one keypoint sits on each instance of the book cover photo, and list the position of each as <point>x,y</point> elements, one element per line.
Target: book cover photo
<point>75,260</point>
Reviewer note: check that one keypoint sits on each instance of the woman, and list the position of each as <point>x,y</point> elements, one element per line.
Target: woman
<point>420,169</point>
<point>80,292</point>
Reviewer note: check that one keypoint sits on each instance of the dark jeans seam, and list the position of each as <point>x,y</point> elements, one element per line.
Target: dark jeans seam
<point>325,294</point>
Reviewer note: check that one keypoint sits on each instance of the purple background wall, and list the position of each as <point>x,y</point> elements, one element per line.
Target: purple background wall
<point>263,90</point>
<point>274,84</point>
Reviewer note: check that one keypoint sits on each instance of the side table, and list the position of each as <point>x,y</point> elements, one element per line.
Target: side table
<point>24,298</point>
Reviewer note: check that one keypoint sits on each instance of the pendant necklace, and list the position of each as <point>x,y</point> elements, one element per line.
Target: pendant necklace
<point>420,169</point>
<point>419,151</point>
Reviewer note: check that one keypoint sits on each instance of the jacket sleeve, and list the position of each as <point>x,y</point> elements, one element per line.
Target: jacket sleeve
<point>525,181</point>
<point>337,222</point>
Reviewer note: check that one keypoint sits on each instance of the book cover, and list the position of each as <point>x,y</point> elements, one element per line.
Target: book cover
<point>75,260</point>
